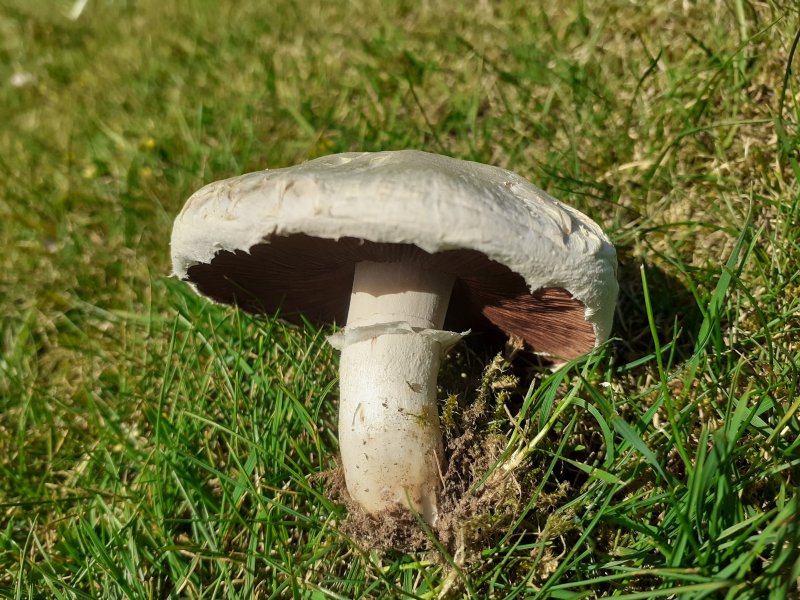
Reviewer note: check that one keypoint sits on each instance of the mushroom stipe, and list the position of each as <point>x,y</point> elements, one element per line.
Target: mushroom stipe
<point>405,249</point>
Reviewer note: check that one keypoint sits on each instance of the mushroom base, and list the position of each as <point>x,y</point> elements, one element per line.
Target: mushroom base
<point>389,434</point>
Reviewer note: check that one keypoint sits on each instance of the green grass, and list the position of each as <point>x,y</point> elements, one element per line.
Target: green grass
<point>153,445</point>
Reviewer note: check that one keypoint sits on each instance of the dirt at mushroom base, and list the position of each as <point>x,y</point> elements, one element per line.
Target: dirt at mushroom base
<point>465,516</point>
<point>478,501</point>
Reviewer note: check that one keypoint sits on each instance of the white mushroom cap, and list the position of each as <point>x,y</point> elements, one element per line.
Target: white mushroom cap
<point>289,238</point>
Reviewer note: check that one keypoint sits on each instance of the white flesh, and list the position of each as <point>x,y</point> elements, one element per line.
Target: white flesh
<point>389,434</point>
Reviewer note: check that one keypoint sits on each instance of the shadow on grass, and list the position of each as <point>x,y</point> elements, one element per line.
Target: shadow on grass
<point>675,313</point>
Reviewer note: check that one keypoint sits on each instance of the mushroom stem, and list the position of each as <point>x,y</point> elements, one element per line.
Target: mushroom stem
<point>389,434</point>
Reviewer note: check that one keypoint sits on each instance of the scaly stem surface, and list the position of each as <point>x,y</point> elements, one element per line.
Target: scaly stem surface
<point>389,434</point>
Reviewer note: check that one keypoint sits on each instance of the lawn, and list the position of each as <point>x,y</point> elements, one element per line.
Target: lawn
<point>153,445</point>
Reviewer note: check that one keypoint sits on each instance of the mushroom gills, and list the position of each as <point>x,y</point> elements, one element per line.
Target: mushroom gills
<point>391,348</point>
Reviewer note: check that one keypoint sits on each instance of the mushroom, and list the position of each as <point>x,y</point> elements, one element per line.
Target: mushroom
<point>405,249</point>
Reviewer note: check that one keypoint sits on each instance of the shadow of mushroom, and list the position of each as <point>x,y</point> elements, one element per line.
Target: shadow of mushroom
<point>676,315</point>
